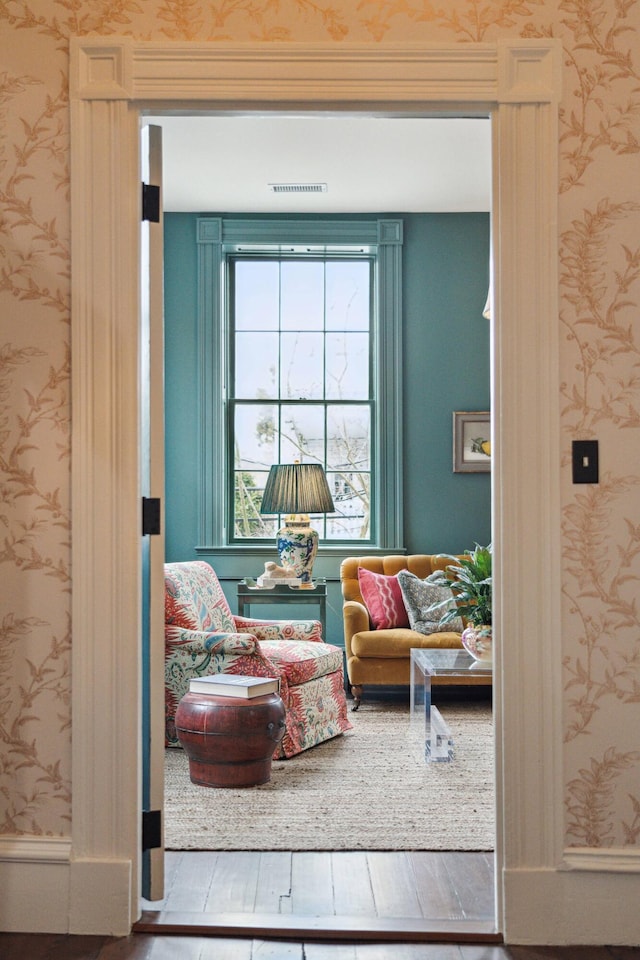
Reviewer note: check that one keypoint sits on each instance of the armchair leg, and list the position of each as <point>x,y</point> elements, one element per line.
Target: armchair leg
<point>356,693</point>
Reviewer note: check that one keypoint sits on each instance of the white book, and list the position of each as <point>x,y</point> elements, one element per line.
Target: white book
<point>234,685</point>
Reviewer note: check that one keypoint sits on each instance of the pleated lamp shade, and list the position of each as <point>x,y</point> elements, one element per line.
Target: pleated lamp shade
<point>297,489</point>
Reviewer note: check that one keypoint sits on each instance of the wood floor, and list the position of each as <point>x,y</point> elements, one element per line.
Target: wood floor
<point>350,895</point>
<point>433,885</point>
<point>394,891</point>
<point>148,947</point>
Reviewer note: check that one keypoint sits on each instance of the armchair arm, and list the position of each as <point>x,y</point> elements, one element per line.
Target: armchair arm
<point>356,618</point>
<point>281,629</point>
<point>193,653</point>
<point>196,642</point>
<point>197,653</point>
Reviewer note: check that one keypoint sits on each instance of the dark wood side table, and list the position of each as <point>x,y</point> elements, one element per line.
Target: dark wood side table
<point>249,593</point>
<point>230,741</point>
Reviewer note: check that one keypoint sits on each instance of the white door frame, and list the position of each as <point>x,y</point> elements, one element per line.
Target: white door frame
<point>113,82</point>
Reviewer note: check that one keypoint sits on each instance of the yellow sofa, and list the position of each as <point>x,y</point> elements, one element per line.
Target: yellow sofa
<point>381,657</point>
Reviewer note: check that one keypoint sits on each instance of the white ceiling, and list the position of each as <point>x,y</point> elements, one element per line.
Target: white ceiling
<point>374,165</point>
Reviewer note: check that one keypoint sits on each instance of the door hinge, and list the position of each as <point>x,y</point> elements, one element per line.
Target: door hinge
<point>151,829</point>
<point>150,202</point>
<point>150,516</point>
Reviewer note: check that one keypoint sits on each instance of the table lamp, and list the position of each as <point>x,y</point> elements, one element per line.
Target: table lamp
<point>296,490</point>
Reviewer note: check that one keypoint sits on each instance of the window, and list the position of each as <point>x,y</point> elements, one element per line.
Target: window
<point>300,383</point>
<point>300,360</point>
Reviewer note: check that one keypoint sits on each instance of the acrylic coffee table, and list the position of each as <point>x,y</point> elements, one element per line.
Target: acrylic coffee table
<point>449,667</point>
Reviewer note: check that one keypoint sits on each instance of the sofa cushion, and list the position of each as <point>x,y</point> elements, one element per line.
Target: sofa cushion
<point>383,599</point>
<point>302,660</point>
<point>419,595</point>
<point>394,644</point>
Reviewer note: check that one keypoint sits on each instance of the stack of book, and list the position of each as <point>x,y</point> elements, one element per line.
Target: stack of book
<point>234,685</point>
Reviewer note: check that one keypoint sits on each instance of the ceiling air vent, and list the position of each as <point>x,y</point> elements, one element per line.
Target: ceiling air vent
<point>298,187</point>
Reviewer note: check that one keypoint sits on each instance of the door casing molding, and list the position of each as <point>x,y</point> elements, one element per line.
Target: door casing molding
<point>114,81</point>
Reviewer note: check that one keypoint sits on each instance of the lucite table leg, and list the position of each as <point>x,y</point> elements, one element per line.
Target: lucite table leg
<point>438,742</point>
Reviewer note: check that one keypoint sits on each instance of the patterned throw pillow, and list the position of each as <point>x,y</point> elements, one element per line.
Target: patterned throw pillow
<point>418,596</point>
<point>383,599</point>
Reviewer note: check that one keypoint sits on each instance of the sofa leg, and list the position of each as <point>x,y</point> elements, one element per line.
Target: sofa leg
<point>356,693</point>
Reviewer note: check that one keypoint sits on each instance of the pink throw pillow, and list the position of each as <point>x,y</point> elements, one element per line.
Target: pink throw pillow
<point>383,599</point>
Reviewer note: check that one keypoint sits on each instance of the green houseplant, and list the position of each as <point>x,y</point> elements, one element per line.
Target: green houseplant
<point>469,578</point>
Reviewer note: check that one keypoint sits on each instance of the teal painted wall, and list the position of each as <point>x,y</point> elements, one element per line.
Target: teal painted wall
<point>445,368</point>
<point>181,401</point>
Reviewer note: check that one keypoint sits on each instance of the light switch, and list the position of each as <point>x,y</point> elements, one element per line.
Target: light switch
<point>585,461</point>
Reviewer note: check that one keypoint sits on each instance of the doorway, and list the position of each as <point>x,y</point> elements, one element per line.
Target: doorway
<point>112,83</point>
<point>192,220</point>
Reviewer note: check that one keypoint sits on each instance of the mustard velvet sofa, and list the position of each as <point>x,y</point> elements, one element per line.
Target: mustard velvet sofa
<point>381,657</point>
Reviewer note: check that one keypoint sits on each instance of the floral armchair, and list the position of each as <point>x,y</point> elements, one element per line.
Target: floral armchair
<point>202,637</point>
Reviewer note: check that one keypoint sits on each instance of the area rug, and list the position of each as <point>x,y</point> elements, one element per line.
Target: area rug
<point>369,789</point>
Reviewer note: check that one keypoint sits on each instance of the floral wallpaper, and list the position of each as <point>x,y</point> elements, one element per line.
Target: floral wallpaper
<point>599,396</point>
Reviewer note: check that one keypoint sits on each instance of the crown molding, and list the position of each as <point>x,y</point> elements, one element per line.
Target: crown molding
<point>509,71</point>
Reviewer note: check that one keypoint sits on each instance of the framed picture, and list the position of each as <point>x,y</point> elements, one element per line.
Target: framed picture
<point>471,442</point>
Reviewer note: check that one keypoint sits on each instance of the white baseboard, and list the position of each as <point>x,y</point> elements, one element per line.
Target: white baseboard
<point>34,879</point>
<point>100,897</point>
<point>592,900</point>
<point>44,890</point>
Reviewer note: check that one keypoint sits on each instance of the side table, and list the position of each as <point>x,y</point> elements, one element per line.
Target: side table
<point>249,593</point>
<point>230,741</point>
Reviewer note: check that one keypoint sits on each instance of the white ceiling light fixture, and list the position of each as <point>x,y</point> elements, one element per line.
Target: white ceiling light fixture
<point>298,187</point>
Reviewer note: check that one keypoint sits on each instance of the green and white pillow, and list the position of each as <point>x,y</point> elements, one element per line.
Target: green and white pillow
<point>419,595</point>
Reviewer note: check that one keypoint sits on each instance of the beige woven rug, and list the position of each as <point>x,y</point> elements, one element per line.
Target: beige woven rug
<point>369,789</point>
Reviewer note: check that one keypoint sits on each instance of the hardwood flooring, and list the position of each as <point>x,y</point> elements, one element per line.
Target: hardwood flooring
<point>392,897</point>
<point>353,896</point>
<point>18,946</point>
<point>409,884</point>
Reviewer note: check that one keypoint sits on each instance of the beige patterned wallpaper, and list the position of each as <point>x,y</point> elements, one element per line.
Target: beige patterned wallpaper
<point>599,260</point>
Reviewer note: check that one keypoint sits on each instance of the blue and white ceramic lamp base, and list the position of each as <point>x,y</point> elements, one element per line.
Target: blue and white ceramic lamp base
<point>297,548</point>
